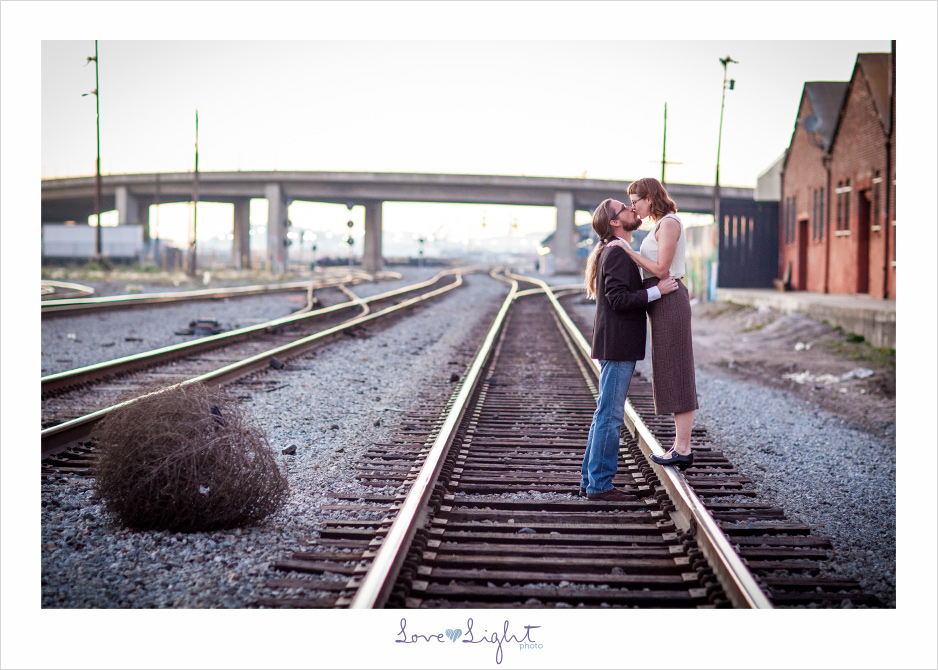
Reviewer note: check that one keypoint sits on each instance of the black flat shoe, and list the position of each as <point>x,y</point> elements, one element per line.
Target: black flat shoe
<point>679,460</point>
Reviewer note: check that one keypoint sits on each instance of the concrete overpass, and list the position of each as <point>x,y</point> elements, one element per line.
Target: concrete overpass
<point>72,199</point>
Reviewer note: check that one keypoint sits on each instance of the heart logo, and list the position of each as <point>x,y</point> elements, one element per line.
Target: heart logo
<point>453,634</point>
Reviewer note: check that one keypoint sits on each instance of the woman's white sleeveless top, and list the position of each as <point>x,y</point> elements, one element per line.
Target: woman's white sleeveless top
<point>649,249</point>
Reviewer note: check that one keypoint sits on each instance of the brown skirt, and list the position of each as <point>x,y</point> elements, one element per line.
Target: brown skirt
<point>672,351</point>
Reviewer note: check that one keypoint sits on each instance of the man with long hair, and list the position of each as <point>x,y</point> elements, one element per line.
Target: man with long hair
<point>614,281</point>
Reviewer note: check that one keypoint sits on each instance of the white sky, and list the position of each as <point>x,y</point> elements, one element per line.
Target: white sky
<point>544,107</point>
<point>524,100</point>
<point>547,108</point>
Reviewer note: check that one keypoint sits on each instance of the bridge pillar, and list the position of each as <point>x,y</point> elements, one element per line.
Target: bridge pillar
<point>276,229</point>
<point>564,242</point>
<point>144,218</point>
<point>241,247</point>
<point>372,260</point>
<point>128,208</point>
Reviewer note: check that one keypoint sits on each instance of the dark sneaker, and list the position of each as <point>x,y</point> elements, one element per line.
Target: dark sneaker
<point>611,495</point>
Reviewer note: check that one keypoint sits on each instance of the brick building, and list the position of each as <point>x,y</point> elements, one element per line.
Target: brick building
<point>837,209</point>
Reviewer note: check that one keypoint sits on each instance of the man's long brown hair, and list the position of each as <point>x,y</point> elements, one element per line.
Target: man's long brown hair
<point>601,218</point>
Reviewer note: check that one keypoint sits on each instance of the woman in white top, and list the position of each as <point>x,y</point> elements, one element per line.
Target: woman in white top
<point>672,352</point>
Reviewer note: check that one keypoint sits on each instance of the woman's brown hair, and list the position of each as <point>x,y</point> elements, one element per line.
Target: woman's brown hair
<point>601,218</point>
<point>658,198</point>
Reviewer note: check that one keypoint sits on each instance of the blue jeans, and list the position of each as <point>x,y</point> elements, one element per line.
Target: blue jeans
<point>602,447</point>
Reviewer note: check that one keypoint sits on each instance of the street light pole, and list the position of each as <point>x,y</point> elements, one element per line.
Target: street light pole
<point>716,186</point>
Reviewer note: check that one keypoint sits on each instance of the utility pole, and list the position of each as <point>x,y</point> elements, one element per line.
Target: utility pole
<point>716,186</point>
<point>97,163</point>
<point>664,145</point>
<point>195,201</point>
<point>664,142</point>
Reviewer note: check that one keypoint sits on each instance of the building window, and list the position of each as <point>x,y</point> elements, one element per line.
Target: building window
<point>847,205</point>
<point>875,205</point>
<point>822,215</point>
<point>840,204</point>
<point>794,206</point>
<point>814,221</point>
<point>843,205</point>
<point>893,242</point>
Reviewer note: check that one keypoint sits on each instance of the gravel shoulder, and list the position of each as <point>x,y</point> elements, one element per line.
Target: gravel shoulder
<point>823,450</point>
<point>811,360</point>
<point>810,416</point>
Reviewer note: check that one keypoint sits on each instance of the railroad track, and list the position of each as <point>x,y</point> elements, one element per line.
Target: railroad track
<point>60,290</point>
<point>71,407</point>
<point>60,299</point>
<point>489,516</point>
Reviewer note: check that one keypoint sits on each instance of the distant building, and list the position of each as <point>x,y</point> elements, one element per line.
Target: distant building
<point>769,183</point>
<point>837,210</point>
<point>806,187</point>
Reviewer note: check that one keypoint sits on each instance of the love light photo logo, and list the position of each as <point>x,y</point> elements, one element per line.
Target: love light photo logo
<point>505,639</point>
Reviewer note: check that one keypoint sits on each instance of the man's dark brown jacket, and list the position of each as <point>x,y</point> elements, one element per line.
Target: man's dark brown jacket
<point>619,324</point>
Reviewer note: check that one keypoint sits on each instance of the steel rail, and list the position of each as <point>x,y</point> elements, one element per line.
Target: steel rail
<point>732,572</point>
<point>89,373</point>
<point>57,438</point>
<point>49,287</point>
<point>538,291</point>
<point>104,303</point>
<point>363,304</point>
<point>65,306</point>
<point>376,585</point>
